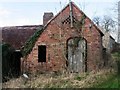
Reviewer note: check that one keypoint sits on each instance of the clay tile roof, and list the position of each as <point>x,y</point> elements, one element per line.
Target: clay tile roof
<point>16,36</point>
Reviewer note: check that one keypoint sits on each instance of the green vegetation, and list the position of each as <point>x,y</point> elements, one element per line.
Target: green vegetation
<point>106,78</point>
<point>116,56</point>
<point>7,54</point>
<point>113,80</point>
<point>110,82</point>
<point>7,58</point>
<point>81,77</point>
<point>80,24</point>
<point>68,80</point>
<point>31,42</point>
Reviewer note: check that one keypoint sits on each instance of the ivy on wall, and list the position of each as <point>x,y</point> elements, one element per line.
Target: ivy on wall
<point>31,42</point>
<point>79,24</point>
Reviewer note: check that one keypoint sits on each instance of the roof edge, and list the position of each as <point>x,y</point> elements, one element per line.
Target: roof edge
<point>55,16</point>
<point>21,26</point>
<point>88,18</point>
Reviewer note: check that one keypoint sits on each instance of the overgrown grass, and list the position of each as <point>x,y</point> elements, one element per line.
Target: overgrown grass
<point>106,78</point>
<point>113,80</point>
<point>116,56</point>
<point>110,82</point>
<point>70,80</point>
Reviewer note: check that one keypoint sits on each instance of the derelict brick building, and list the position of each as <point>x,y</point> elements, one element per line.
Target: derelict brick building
<point>68,40</point>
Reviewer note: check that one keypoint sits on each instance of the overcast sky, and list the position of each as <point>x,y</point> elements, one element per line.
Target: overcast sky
<point>30,12</point>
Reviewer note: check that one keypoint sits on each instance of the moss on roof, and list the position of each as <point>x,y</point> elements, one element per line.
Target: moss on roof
<point>31,42</point>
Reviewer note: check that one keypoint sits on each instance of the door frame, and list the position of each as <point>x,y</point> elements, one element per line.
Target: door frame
<point>85,60</point>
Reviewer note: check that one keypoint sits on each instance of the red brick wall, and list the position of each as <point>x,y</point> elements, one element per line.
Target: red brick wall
<point>55,37</point>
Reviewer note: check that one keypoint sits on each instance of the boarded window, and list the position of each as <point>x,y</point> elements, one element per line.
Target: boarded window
<point>42,53</point>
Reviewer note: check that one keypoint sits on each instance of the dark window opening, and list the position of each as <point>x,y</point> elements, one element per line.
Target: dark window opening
<point>42,53</point>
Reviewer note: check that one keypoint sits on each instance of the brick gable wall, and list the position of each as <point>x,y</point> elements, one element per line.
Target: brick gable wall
<point>55,38</point>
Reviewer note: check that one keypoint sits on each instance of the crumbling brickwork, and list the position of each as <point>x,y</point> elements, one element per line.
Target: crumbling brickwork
<point>55,36</point>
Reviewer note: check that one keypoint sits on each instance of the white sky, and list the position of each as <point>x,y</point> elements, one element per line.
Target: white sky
<point>30,12</point>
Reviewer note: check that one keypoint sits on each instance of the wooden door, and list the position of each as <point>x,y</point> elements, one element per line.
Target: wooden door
<point>76,54</point>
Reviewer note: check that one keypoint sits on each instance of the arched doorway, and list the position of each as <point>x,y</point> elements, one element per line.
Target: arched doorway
<point>76,50</point>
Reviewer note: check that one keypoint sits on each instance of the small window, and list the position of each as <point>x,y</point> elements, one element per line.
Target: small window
<point>42,53</point>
